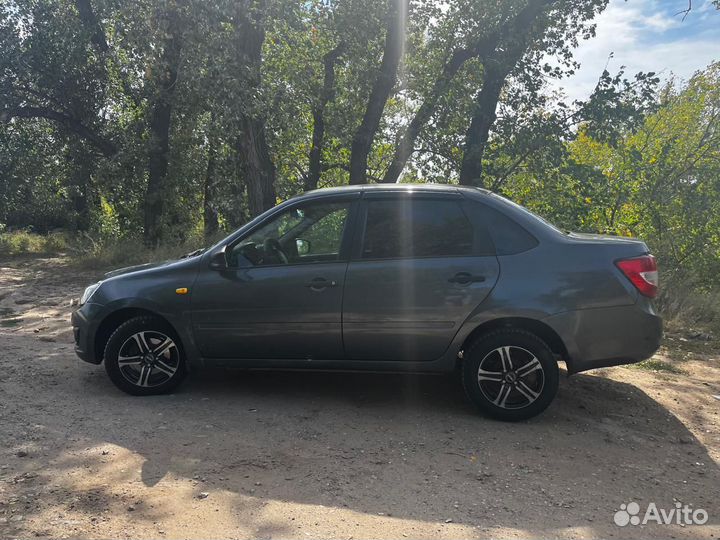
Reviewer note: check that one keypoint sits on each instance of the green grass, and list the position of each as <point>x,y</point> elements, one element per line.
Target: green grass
<point>662,366</point>
<point>25,242</point>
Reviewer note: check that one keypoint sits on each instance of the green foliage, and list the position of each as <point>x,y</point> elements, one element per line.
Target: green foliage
<point>661,182</point>
<point>23,242</point>
<point>655,175</point>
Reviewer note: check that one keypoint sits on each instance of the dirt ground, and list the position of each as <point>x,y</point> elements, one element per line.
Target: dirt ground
<point>237,454</point>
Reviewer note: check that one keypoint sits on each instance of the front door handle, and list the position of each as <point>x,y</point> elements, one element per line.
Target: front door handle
<point>318,284</point>
<point>463,278</point>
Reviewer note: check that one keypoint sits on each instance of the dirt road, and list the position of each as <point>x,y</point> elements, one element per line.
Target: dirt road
<point>307,455</point>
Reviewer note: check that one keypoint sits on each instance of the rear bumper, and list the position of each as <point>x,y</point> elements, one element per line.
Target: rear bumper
<point>84,333</point>
<point>604,337</point>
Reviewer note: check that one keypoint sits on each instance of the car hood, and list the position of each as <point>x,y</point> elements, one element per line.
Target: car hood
<point>138,268</point>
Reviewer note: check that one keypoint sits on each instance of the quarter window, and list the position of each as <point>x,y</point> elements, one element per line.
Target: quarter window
<point>416,228</point>
<point>508,236</point>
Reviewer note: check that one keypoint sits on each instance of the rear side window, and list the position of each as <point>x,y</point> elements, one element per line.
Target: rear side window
<point>509,237</point>
<point>416,228</point>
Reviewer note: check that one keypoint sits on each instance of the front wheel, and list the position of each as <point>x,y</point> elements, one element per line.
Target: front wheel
<point>144,357</point>
<point>510,374</point>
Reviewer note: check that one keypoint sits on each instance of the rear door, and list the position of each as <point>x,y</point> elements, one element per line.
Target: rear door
<point>418,270</point>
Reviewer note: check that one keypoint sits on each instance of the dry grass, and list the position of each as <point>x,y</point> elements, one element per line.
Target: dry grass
<point>689,308</point>
<point>23,242</point>
<point>127,253</point>
<point>662,366</point>
<point>87,253</point>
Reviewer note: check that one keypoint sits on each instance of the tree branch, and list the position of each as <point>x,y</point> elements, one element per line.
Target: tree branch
<point>106,147</point>
<point>87,15</point>
<point>686,11</point>
<point>479,48</point>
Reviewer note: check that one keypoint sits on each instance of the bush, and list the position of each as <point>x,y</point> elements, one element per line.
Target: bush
<point>103,254</point>
<point>22,242</point>
<point>685,306</point>
<point>127,252</point>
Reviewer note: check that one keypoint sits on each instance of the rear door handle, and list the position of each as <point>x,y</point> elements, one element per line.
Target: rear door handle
<point>463,278</point>
<point>318,284</point>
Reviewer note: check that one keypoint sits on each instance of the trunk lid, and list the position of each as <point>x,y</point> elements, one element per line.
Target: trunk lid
<point>605,239</point>
<point>615,246</point>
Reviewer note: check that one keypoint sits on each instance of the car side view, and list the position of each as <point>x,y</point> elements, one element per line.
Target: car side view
<point>395,278</point>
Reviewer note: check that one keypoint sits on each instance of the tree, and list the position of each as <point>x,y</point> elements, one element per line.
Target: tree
<point>533,33</point>
<point>173,119</point>
<point>163,79</point>
<point>397,14</point>
<point>253,149</point>
<point>326,94</point>
<point>478,46</point>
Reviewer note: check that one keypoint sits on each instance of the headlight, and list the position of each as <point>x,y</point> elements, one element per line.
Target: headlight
<point>89,292</point>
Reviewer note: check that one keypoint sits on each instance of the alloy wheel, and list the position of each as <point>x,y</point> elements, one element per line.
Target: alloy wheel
<point>147,359</point>
<point>511,377</point>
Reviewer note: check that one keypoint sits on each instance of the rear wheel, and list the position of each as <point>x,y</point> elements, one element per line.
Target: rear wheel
<point>510,374</point>
<point>144,357</point>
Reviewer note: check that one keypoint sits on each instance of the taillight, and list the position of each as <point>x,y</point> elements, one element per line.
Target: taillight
<point>642,272</point>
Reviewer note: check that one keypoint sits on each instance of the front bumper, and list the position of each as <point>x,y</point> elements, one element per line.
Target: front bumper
<point>84,332</point>
<point>603,337</point>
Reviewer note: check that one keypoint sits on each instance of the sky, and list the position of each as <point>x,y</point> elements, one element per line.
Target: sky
<point>647,35</point>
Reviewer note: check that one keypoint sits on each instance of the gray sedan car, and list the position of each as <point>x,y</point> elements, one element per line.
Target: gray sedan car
<point>384,278</point>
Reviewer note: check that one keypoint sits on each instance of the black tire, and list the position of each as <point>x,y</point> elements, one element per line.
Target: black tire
<point>512,391</point>
<point>152,360</point>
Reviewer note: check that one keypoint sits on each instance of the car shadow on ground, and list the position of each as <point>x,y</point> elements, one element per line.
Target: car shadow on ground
<point>400,446</point>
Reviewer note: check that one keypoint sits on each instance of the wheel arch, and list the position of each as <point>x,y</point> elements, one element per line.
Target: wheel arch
<point>539,328</point>
<point>113,320</point>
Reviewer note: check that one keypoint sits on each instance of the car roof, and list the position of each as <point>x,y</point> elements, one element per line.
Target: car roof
<point>519,214</point>
<point>407,188</point>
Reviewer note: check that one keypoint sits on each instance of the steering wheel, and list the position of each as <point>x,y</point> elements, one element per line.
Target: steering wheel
<point>271,245</point>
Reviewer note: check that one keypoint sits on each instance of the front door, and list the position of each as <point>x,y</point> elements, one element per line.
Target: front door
<point>420,271</point>
<point>281,295</point>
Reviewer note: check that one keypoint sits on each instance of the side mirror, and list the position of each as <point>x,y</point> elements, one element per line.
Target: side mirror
<point>218,261</point>
<point>303,246</point>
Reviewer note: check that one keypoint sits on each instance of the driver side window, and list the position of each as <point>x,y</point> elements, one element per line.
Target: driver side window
<point>302,234</point>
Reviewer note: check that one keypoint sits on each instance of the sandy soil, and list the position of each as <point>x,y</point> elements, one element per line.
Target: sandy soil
<point>309,455</point>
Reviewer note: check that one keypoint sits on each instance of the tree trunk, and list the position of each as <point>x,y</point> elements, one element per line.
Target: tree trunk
<point>257,166</point>
<point>91,23</point>
<point>80,188</point>
<point>483,118</point>
<point>520,34</point>
<point>159,145</point>
<point>405,147</point>
<point>210,214</point>
<point>253,150</point>
<point>382,87</point>
<point>327,94</point>
<point>481,48</point>
<point>315,159</point>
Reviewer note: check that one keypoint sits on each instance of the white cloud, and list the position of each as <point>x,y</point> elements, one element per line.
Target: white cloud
<point>660,22</point>
<point>644,37</point>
